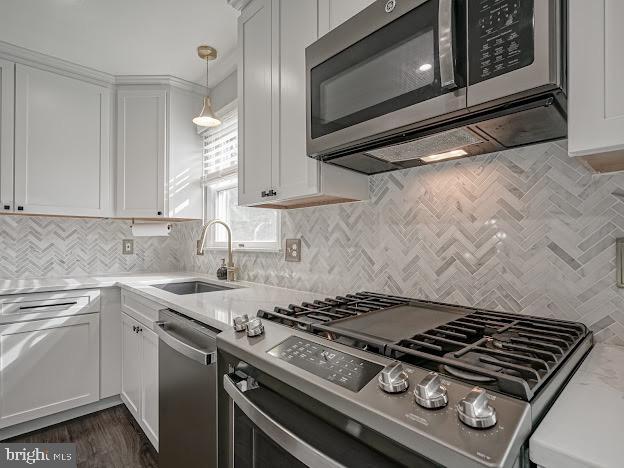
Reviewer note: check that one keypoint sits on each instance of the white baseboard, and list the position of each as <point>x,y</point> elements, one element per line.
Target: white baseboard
<point>46,421</point>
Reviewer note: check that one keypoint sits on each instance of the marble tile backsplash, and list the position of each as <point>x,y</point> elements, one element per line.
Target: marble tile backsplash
<point>37,247</point>
<point>529,230</point>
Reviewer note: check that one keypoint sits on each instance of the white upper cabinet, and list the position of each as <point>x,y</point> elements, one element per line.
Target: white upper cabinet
<point>333,13</point>
<point>7,73</point>
<point>141,149</point>
<point>596,73</point>
<point>158,153</point>
<point>274,169</point>
<point>255,93</point>
<point>62,145</point>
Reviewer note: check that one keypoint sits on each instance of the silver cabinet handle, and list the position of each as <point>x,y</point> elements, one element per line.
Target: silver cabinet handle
<point>290,442</point>
<point>445,40</point>
<point>169,338</point>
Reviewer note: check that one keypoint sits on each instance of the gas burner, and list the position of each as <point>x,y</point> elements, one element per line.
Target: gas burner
<point>504,352</point>
<point>474,359</point>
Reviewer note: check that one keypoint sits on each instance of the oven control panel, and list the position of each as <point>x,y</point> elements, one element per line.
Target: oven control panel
<point>343,369</point>
<point>501,37</point>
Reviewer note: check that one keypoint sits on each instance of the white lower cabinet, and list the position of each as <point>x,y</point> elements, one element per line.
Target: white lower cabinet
<point>149,385</point>
<point>139,374</point>
<point>130,365</point>
<point>48,366</point>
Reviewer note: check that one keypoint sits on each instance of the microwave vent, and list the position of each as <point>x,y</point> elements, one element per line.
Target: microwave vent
<point>434,144</point>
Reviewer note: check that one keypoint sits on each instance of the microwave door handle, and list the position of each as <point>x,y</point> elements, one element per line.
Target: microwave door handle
<point>445,44</point>
<point>290,442</point>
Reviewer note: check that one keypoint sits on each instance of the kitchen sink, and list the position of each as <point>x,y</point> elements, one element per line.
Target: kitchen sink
<point>190,287</point>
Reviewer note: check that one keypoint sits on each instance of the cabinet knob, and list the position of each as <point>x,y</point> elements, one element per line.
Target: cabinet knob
<point>7,207</point>
<point>20,208</point>
<point>160,213</point>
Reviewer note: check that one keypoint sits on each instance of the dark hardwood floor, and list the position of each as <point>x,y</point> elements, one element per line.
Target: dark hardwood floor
<point>107,439</point>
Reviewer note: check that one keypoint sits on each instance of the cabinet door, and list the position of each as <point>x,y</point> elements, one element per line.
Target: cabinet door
<point>110,349</point>
<point>294,174</point>
<point>62,139</point>
<point>149,387</point>
<point>131,365</point>
<point>333,13</point>
<point>596,73</point>
<point>256,89</point>
<point>141,153</point>
<point>7,74</point>
<point>48,366</point>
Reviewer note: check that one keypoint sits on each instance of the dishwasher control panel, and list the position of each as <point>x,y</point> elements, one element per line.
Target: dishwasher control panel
<point>343,369</point>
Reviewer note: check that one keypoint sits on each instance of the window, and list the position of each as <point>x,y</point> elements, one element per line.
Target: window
<point>252,228</point>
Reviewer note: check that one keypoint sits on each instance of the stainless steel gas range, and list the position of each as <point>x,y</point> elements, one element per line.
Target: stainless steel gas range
<point>371,380</point>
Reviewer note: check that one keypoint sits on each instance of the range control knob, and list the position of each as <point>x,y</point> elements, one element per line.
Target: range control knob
<point>240,323</point>
<point>255,327</point>
<point>476,411</point>
<point>430,393</point>
<point>393,379</point>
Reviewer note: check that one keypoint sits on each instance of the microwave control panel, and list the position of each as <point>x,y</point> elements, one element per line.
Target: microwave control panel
<point>500,38</point>
<point>332,365</point>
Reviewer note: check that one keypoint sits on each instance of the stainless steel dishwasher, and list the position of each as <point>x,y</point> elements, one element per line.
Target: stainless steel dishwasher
<point>187,369</point>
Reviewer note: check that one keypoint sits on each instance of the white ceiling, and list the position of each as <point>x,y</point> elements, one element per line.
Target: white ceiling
<point>126,37</point>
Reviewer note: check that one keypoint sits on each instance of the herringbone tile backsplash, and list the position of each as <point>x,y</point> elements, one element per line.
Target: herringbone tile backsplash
<point>36,247</point>
<point>529,230</point>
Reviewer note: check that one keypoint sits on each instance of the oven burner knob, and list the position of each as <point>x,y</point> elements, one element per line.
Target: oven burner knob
<point>430,393</point>
<point>255,327</point>
<point>393,379</point>
<point>240,323</point>
<point>476,411</point>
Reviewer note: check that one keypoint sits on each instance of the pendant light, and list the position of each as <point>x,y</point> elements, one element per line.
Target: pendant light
<point>207,118</point>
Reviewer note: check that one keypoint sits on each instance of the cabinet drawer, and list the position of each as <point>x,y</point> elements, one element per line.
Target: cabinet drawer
<point>37,306</point>
<point>139,308</point>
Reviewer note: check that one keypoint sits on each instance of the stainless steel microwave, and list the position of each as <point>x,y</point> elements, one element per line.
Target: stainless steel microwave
<point>409,82</point>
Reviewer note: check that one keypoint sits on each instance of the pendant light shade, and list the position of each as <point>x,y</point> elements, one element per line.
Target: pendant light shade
<point>207,118</point>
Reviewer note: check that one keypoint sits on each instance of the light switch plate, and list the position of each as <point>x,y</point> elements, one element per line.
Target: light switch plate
<point>293,250</point>
<point>127,246</point>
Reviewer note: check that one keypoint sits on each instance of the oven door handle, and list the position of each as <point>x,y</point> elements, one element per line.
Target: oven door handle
<point>446,55</point>
<point>290,442</point>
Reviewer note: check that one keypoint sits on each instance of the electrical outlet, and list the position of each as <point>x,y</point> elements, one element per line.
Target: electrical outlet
<point>127,246</point>
<point>293,250</point>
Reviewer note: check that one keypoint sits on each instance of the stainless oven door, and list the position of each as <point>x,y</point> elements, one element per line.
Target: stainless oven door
<point>268,430</point>
<point>394,65</point>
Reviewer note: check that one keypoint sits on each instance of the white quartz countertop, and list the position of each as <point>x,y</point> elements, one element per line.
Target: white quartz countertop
<point>585,426</point>
<point>213,308</point>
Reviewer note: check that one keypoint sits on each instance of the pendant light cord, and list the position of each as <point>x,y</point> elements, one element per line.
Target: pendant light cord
<point>207,68</point>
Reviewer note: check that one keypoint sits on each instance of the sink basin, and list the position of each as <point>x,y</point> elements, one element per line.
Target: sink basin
<point>190,287</point>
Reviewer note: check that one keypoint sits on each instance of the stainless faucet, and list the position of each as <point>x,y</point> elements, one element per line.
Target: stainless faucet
<point>231,269</point>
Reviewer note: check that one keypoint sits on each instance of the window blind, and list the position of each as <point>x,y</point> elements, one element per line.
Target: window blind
<point>220,153</point>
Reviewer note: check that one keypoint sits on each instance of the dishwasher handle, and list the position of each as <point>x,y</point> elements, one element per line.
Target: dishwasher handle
<point>171,339</point>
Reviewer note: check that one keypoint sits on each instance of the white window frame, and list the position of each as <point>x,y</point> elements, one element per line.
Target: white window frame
<point>229,181</point>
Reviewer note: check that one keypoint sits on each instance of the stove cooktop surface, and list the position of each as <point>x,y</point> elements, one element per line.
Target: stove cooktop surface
<point>503,352</point>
